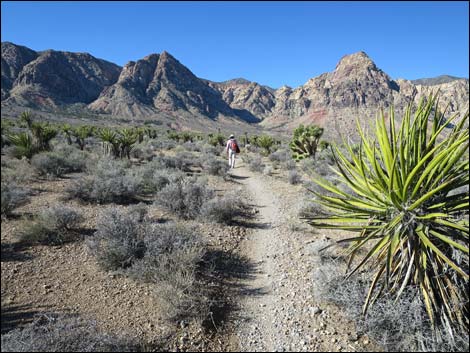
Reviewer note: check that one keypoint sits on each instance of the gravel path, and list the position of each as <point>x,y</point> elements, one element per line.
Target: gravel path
<point>278,311</point>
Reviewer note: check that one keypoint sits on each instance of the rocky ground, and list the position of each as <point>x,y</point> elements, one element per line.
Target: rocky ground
<point>270,304</point>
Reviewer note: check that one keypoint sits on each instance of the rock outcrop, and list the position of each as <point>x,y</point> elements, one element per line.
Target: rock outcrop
<point>52,78</point>
<point>160,83</point>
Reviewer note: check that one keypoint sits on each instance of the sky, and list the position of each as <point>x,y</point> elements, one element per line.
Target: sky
<point>274,43</point>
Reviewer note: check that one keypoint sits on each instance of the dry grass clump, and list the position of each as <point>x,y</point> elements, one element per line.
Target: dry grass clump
<point>398,326</point>
<point>13,196</point>
<point>53,333</point>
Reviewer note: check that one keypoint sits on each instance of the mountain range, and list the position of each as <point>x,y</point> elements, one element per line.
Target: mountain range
<point>160,88</point>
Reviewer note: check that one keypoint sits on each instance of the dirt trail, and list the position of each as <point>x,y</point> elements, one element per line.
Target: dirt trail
<point>278,310</point>
<point>260,300</point>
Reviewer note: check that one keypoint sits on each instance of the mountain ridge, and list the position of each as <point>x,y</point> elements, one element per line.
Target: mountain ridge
<point>159,85</point>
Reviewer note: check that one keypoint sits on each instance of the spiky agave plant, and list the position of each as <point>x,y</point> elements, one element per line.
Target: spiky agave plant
<point>408,210</point>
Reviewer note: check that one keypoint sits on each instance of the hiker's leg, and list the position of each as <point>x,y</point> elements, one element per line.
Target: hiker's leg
<point>232,159</point>
<point>233,162</point>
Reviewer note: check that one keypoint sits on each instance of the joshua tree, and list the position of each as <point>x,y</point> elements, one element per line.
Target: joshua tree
<point>305,141</point>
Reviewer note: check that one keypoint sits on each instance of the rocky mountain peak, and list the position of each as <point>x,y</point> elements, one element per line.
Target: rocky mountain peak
<point>358,59</point>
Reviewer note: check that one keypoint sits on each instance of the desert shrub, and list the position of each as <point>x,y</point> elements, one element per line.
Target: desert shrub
<point>401,208</point>
<point>142,152</point>
<point>192,146</point>
<point>268,170</point>
<point>253,149</point>
<point>53,226</point>
<point>184,197</point>
<point>13,196</point>
<point>109,182</point>
<point>164,144</point>
<point>154,180</point>
<point>294,177</point>
<point>290,164</point>
<point>53,333</point>
<point>209,149</point>
<point>181,161</point>
<point>138,211</point>
<point>213,165</point>
<point>266,142</point>
<point>118,240</point>
<point>280,155</point>
<point>49,164</point>
<point>307,164</point>
<point>223,209</point>
<point>246,158</point>
<point>17,171</point>
<point>397,325</point>
<point>172,261</point>
<point>256,164</point>
<point>64,159</point>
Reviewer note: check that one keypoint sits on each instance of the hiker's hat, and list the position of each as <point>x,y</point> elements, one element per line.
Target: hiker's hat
<point>231,136</point>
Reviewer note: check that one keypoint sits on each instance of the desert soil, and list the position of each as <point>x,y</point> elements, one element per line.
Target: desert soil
<point>273,305</point>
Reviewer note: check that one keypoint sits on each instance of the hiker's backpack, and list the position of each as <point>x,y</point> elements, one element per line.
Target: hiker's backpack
<point>234,146</point>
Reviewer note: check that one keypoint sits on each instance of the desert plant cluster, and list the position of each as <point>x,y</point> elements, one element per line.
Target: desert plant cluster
<point>399,198</point>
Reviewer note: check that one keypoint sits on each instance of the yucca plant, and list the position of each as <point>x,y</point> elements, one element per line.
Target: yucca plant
<point>27,118</point>
<point>305,141</point>
<point>110,142</point>
<point>408,208</point>
<point>81,133</point>
<point>43,133</point>
<point>67,130</point>
<point>24,146</point>
<point>127,138</point>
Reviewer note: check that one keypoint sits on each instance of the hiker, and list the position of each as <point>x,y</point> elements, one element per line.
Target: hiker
<point>232,150</point>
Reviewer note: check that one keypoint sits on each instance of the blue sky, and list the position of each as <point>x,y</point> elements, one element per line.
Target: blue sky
<point>273,43</point>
